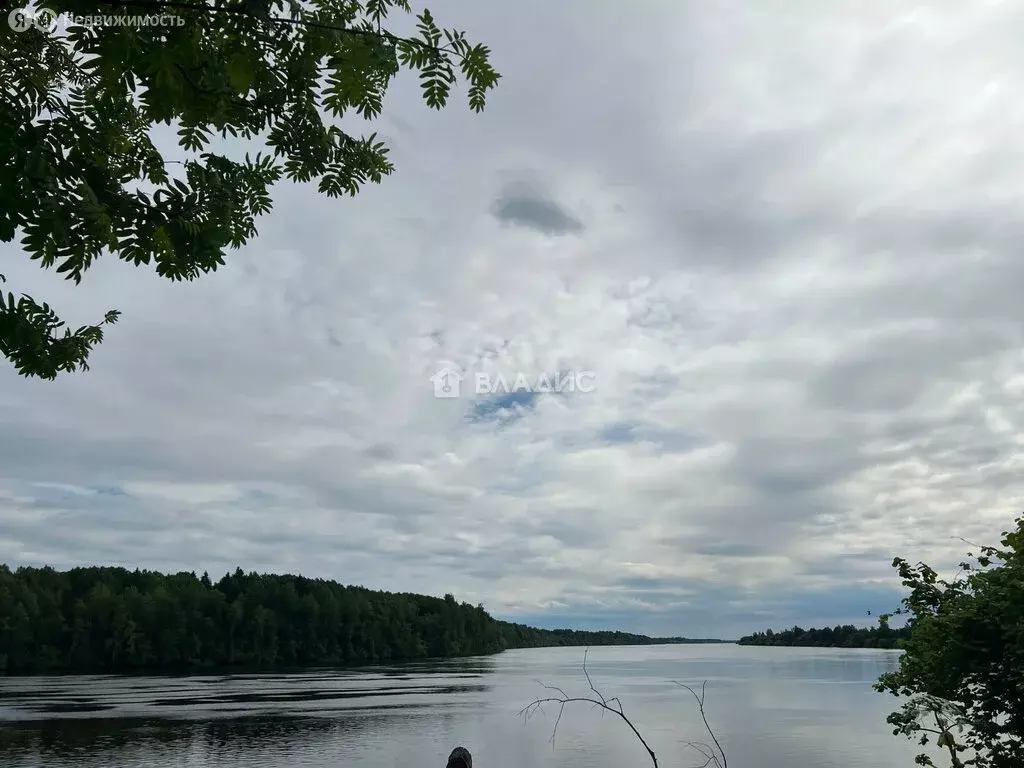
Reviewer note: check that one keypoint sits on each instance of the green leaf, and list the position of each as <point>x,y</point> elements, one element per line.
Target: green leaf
<point>240,72</point>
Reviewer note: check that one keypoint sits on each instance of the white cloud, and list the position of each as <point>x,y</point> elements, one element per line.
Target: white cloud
<point>784,241</point>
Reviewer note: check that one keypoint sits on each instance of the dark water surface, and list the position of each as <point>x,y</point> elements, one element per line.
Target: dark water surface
<point>770,707</point>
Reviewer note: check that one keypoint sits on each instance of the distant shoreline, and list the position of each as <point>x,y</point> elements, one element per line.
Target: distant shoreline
<point>199,670</point>
<point>115,621</point>
<point>842,636</point>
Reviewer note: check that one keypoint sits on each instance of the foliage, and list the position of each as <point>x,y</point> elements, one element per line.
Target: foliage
<point>115,620</point>
<point>846,636</point>
<point>521,636</point>
<point>963,671</point>
<point>80,174</point>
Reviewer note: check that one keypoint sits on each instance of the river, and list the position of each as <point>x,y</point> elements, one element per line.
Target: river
<point>770,708</point>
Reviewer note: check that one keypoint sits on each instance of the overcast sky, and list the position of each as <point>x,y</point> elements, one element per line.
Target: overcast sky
<point>784,237</point>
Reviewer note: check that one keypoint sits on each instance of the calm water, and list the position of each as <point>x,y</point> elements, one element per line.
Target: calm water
<point>770,707</point>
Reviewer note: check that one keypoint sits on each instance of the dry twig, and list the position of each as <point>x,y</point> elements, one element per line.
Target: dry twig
<point>705,749</point>
<point>714,756</point>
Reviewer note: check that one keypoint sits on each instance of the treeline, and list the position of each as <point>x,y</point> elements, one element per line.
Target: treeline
<point>521,636</point>
<point>115,620</point>
<point>846,636</point>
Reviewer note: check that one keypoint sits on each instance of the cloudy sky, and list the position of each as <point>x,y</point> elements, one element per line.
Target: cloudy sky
<point>783,236</point>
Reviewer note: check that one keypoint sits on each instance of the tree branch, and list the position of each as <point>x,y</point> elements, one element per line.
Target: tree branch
<point>379,33</point>
<point>703,716</point>
<point>614,705</point>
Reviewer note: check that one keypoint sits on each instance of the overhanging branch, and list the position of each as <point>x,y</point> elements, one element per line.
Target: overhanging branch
<point>379,33</point>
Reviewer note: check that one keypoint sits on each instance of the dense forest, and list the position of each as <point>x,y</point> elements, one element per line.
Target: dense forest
<point>846,636</point>
<point>115,620</point>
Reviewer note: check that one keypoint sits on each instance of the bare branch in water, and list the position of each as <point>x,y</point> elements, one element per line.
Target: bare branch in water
<point>724,763</point>
<point>714,756</point>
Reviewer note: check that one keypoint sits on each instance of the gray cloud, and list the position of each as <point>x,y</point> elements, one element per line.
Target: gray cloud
<point>892,371</point>
<point>528,209</point>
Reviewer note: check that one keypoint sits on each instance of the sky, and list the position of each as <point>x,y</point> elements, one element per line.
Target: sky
<point>782,238</point>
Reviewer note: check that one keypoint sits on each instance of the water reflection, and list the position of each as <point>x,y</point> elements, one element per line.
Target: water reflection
<point>206,696</point>
<point>102,739</point>
<point>773,708</point>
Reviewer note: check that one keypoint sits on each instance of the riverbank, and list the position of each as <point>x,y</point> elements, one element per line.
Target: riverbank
<point>844,636</point>
<point>111,620</point>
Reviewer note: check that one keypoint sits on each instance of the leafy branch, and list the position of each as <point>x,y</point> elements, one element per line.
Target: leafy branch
<point>80,167</point>
<point>425,53</point>
<point>30,337</point>
<point>961,678</point>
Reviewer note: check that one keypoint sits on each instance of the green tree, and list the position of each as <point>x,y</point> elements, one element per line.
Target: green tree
<point>846,636</point>
<point>114,620</point>
<point>80,175</point>
<point>962,675</point>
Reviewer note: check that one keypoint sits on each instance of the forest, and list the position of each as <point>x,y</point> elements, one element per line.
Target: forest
<point>116,620</point>
<point>846,636</point>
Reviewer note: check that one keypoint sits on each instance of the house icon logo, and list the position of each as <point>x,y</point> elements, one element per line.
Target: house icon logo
<point>447,382</point>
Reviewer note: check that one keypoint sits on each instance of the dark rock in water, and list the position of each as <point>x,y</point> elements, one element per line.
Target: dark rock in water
<point>460,758</point>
